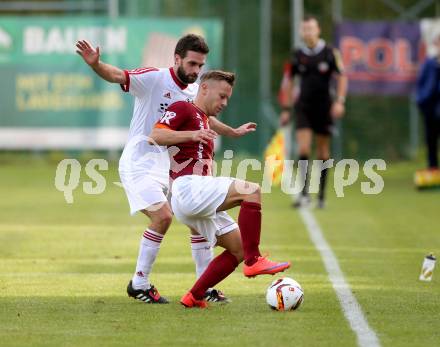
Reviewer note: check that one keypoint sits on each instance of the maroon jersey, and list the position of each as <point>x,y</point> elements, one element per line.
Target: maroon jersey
<point>192,158</point>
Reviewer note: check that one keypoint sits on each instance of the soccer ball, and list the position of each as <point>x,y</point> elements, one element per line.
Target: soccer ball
<point>284,294</point>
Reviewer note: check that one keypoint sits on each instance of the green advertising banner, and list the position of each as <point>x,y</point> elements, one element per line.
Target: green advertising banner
<point>51,99</point>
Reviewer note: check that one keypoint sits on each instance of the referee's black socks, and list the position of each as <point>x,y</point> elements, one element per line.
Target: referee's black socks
<point>303,166</point>
<point>322,182</point>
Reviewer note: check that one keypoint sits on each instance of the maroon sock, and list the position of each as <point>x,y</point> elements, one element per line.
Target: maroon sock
<point>249,221</point>
<point>218,269</point>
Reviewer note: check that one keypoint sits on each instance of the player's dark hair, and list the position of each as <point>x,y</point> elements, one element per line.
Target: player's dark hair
<point>218,75</point>
<point>309,17</point>
<point>191,42</point>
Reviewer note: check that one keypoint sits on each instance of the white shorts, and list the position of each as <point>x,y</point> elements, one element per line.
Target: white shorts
<point>195,200</point>
<point>143,190</point>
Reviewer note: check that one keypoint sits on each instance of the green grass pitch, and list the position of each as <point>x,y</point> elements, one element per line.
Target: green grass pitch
<point>64,269</point>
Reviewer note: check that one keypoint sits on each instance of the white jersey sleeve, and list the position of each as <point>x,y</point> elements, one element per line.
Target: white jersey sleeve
<point>140,81</point>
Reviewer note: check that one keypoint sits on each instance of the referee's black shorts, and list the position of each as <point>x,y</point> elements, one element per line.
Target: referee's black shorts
<point>315,116</point>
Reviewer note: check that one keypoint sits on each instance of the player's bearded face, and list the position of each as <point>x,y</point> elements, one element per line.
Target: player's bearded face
<point>186,77</point>
<point>189,67</point>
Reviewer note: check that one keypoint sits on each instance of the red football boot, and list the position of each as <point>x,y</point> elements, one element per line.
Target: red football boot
<point>188,300</point>
<point>264,266</point>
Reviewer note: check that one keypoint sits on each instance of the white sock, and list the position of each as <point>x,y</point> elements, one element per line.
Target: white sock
<point>202,253</point>
<point>148,249</point>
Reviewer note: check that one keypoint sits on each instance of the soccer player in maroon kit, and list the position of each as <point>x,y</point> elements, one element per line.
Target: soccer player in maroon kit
<point>200,200</point>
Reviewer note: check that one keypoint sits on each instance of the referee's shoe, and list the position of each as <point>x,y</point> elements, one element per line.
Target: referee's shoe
<point>302,200</point>
<point>320,204</point>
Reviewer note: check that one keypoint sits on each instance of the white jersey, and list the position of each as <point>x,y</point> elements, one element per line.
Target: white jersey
<point>154,90</point>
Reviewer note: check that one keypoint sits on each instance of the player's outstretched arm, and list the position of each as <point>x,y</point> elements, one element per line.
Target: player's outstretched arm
<point>106,71</point>
<point>167,137</point>
<point>223,129</point>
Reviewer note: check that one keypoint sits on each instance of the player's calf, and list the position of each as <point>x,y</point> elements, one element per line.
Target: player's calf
<point>240,191</point>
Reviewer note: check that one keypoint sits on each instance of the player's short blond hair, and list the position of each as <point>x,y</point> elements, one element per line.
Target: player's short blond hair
<point>218,75</point>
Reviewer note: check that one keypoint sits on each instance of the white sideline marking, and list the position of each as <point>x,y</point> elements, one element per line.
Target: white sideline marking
<point>366,337</point>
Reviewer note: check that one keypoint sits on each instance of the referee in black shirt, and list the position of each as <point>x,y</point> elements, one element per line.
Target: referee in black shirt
<point>315,110</point>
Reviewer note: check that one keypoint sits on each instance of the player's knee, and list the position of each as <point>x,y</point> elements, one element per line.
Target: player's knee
<point>257,189</point>
<point>166,219</point>
<point>304,151</point>
<point>254,194</point>
<point>162,221</point>
<point>323,152</point>
<point>323,155</point>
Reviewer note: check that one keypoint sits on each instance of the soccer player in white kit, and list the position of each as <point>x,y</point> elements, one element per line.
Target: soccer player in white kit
<point>143,168</point>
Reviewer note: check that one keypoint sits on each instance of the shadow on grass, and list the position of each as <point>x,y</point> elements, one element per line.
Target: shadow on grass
<point>92,320</point>
<point>128,267</point>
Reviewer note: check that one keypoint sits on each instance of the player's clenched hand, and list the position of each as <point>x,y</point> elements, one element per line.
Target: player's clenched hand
<point>245,129</point>
<point>338,109</point>
<point>87,52</point>
<point>204,135</point>
<point>284,118</point>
